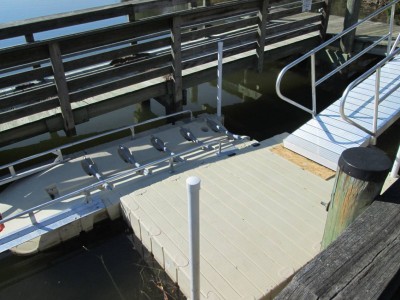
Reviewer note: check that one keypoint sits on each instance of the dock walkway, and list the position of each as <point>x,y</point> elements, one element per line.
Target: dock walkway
<point>261,219</point>
<point>325,137</point>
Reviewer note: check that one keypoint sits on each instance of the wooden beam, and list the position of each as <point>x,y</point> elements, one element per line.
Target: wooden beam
<point>176,62</point>
<point>262,26</point>
<point>325,18</point>
<point>363,263</point>
<point>351,17</point>
<point>62,88</point>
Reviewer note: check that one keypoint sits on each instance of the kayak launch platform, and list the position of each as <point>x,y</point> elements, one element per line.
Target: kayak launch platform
<point>261,217</point>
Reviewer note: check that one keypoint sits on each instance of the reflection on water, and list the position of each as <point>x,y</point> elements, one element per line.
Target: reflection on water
<point>98,265</point>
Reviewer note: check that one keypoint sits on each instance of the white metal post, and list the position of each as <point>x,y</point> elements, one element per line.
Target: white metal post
<point>391,23</point>
<point>193,190</point>
<point>376,105</point>
<point>396,166</point>
<point>219,76</point>
<point>313,87</point>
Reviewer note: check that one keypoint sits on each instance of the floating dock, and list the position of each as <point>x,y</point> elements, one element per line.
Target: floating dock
<point>261,219</point>
<point>59,202</point>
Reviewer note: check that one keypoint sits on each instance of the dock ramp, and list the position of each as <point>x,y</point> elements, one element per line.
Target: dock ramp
<point>368,106</point>
<point>327,135</point>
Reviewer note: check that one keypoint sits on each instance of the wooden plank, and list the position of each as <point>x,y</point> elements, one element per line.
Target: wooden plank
<point>220,11</point>
<point>119,72</point>
<point>23,54</point>
<point>362,263</point>
<point>119,56</point>
<point>24,111</point>
<point>227,26</point>
<point>18,28</point>
<point>112,34</point>
<point>62,88</point>
<point>118,83</point>
<point>28,97</point>
<point>23,77</point>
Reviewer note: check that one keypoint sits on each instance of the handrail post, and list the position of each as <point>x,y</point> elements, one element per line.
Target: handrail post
<point>376,105</point>
<point>62,88</point>
<point>219,77</point>
<point>313,87</point>
<point>12,170</point>
<point>193,188</point>
<point>389,44</point>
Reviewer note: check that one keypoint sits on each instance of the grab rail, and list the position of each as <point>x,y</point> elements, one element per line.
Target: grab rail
<point>311,55</point>
<point>57,151</point>
<point>119,176</point>
<point>377,99</point>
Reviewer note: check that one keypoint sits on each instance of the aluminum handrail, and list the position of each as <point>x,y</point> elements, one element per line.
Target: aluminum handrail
<point>311,55</point>
<point>121,175</point>
<point>58,152</point>
<point>377,99</point>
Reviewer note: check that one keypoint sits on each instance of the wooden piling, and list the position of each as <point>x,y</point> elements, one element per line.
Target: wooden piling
<point>62,88</point>
<point>351,17</point>
<point>359,180</point>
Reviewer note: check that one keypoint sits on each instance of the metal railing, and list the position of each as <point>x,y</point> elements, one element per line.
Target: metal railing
<point>378,99</point>
<point>58,151</point>
<point>86,191</point>
<point>311,55</point>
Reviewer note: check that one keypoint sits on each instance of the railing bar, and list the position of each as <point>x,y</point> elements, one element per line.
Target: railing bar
<point>356,82</point>
<point>391,23</point>
<point>113,178</point>
<point>94,137</point>
<point>388,93</point>
<point>330,74</point>
<point>336,37</point>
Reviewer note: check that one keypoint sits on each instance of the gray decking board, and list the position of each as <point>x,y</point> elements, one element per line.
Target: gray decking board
<point>324,138</point>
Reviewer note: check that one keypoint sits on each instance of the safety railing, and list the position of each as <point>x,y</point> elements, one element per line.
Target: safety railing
<point>311,55</point>
<point>378,98</point>
<point>87,190</point>
<point>14,175</point>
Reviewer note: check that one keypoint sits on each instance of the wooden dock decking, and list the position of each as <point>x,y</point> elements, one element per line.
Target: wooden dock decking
<point>325,137</point>
<point>261,219</point>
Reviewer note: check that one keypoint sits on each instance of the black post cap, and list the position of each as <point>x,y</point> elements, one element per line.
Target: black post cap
<point>367,164</point>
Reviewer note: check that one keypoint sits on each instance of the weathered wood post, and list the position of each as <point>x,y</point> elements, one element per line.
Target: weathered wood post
<point>62,88</point>
<point>350,18</point>
<point>359,180</point>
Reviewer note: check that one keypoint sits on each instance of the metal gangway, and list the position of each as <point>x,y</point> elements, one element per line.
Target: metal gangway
<point>368,106</point>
